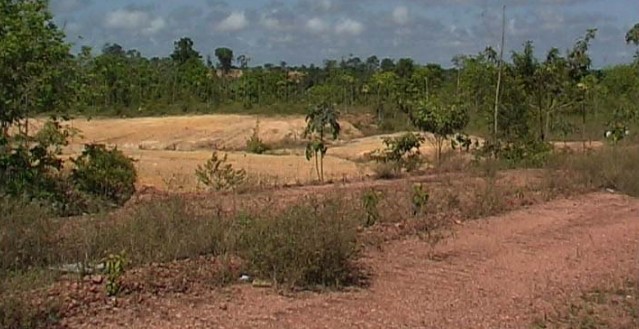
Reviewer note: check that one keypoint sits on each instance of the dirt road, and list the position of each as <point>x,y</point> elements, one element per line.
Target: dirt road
<point>500,272</point>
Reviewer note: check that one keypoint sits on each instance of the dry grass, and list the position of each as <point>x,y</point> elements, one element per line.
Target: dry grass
<point>615,306</point>
<point>279,235</point>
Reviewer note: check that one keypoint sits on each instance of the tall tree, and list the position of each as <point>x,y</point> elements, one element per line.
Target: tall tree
<point>183,51</point>
<point>225,57</point>
<point>35,62</point>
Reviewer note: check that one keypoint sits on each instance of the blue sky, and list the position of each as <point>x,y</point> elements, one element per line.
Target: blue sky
<point>309,31</point>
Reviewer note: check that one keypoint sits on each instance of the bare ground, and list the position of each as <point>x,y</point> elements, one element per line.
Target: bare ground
<point>500,272</point>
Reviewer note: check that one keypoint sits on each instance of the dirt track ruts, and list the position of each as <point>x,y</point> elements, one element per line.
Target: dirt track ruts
<point>500,272</point>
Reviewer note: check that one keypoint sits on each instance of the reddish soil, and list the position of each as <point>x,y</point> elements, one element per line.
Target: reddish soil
<point>500,272</point>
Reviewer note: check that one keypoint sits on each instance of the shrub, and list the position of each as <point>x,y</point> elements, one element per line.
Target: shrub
<point>308,245</point>
<point>370,200</point>
<point>218,175</point>
<point>419,199</point>
<point>114,269</point>
<point>255,144</point>
<point>528,153</point>
<point>107,174</point>
<point>400,153</point>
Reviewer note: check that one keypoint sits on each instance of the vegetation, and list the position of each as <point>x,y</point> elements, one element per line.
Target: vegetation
<point>320,121</point>
<point>107,174</point>
<point>219,175</point>
<point>318,241</point>
<point>401,153</point>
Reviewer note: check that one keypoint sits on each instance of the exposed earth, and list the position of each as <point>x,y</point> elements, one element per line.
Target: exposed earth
<point>499,272</point>
<point>169,149</point>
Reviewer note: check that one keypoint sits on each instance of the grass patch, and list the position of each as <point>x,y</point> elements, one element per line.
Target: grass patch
<point>616,307</point>
<point>614,168</point>
<point>308,245</point>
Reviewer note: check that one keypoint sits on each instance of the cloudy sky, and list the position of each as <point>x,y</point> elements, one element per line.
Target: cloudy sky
<point>309,31</point>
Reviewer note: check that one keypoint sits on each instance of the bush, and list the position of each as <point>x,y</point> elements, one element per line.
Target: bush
<point>527,153</point>
<point>400,153</point>
<point>107,174</point>
<point>255,144</point>
<point>218,175</point>
<point>308,245</point>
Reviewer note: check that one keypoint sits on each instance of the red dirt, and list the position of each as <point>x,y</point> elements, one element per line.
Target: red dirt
<point>500,272</point>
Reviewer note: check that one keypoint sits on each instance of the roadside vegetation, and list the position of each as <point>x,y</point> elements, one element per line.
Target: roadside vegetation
<point>76,221</point>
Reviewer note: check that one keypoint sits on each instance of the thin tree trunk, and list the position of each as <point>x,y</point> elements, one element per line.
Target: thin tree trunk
<point>322,168</point>
<point>499,73</point>
<point>317,166</point>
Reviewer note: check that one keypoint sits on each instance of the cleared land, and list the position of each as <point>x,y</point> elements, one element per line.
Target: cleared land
<point>168,149</point>
<point>510,271</point>
<point>501,272</point>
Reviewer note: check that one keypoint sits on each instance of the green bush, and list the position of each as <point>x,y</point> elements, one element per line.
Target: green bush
<point>308,245</point>
<point>219,175</point>
<point>107,174</point>
<point>400,153</point>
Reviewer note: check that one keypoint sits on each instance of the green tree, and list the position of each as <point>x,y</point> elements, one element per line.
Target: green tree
<point>184,52</point>
<point>225,57</point>
<point>441,119</point>
<point>320,121</point>
<point>632,37</point>
<point>35,64</point>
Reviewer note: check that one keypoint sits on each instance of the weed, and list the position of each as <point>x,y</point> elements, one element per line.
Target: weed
<point>419,200</point>
<point>308,245</point>
<point>17,313</point>
<point>255,144</point>
<point>370,201</point>
<point>27,236</point>
<point>114,266</point>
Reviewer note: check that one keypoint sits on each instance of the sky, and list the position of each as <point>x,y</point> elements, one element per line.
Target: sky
<point>310,31</point>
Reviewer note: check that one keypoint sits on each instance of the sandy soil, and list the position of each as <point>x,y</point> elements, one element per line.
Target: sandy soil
<point>168,149</point>
<point>501,272</point>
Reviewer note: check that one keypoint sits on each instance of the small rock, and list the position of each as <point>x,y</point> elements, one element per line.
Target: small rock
<point>224,307</point>
<point>262,284</point>
<point>245,278</point>
<point>97,279</point>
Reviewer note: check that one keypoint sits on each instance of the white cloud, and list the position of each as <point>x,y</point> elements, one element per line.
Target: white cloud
<point>134,20</point>
<point>271,23</point>
<point>349,26</point>
<point>316,25</point>
<point>400,15</point>
<point>236,21</point>
<point>155,26</point>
